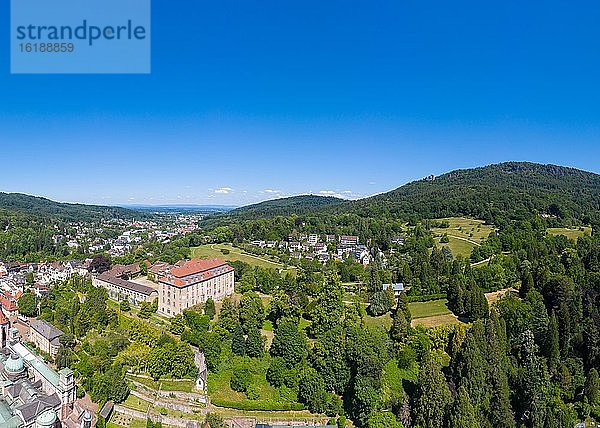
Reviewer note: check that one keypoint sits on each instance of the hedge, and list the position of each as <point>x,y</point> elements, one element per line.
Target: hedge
<point>426,297</point>
<point>257,405</point>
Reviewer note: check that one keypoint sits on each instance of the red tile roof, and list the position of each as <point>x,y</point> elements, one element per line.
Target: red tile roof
<point>7,305</point>
<point>3,318</point>
<point>195,271</point>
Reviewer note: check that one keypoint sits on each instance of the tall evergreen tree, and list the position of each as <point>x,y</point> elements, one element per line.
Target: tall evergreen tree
<point>433,395</point>
<point>463,414</point>
<point>238,343</point>
<point>553,345</point>
<point>255,343</point>
<point>592,387</point>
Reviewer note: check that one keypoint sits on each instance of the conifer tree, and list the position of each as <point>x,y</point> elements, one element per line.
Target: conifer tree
<point>238,343</point>
<point>463,414</point>
<point>434,397</point>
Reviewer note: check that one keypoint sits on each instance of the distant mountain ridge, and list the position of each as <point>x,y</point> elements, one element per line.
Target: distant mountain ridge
<point>493,193</point>
<point>285,206</point>
<point>46,208</point>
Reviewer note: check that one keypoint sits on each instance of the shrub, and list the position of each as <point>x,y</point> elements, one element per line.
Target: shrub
<point>265,406</point>
<point>224,251</point>
<point>240,379</point>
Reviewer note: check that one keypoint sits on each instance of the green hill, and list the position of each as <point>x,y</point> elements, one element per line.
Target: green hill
<point>45,208</point>
<point>285,206</point>
<point>493,193</point>
<point>507,190</point>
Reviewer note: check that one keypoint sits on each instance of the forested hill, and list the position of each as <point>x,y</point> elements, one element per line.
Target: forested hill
<point>45,208</point>
<point>492,193</point>
<point>284,206</point>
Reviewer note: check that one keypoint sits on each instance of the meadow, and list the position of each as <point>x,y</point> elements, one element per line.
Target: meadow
<point>231,253</point>
<point>463,234</point>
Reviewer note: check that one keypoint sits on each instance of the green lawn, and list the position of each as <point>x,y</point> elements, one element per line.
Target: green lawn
<point>463,234</point>
<point>135,423</point>
<point>136,403</point>
<point>384,321</point>
<point>429,309</point>
<point>571,233</point>
<point>214,251</point>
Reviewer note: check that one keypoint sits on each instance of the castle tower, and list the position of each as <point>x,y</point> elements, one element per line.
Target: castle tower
<point>67,391</point>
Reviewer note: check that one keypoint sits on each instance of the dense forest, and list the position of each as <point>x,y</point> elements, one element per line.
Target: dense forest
<point>529,360</point>
<point>495,193</point>
<point>45,208</point>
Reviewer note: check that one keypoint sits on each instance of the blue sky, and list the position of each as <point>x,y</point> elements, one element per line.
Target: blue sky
<point>251,100</point>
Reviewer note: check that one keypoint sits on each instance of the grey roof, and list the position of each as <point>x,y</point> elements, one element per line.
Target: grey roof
<point>37,406</point>
<point>46,329</point>
<point>396,286</point>
<point>128,285</point>
<point>107,409</point>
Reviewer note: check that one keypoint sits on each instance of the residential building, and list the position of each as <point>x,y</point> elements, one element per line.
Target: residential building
<point>44,336</point>
<point>348,240</point>
<point>397,287</point>
<point>192,283</point>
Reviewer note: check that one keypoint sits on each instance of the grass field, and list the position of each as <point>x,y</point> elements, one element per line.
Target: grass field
<point>385,321</point>
<point>463,234</point>
<point>214,250</point>
<point>571,233</point>
<point>428,314</point>
<point>429,309</point>
<point>136,403</point>
<point>436,320</point>
<point>432,314</point>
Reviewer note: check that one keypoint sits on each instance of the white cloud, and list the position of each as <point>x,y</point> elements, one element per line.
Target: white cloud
<point>224,190</point>
<point>272,191</point>
<point>345,194</point>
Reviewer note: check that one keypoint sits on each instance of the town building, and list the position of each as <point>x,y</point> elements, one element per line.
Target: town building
<point>119,287</point>
<point>194,282</point>
<point>32,394</point>
<point>45,336</point>
<point>397,287</point>
<point>348,240</point>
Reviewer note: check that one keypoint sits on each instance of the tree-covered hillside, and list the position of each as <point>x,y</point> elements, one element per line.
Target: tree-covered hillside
<point>42,207</point>
<point>507,190</point>
<point>284,206</point>
<point>495,193</point>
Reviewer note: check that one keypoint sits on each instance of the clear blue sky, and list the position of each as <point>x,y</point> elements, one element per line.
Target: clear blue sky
<point>248,100</point>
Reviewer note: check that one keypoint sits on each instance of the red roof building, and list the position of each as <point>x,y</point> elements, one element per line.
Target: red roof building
<point>193,282</point>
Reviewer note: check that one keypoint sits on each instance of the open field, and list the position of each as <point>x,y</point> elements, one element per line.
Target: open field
<point>571,233</point>
<point>432,314</point>
<point>436,320</point>
<point>428,314</point>
<point>463,234</point>
<point>429,309</point>
<point>214,250</point>
<point>385,321</point>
